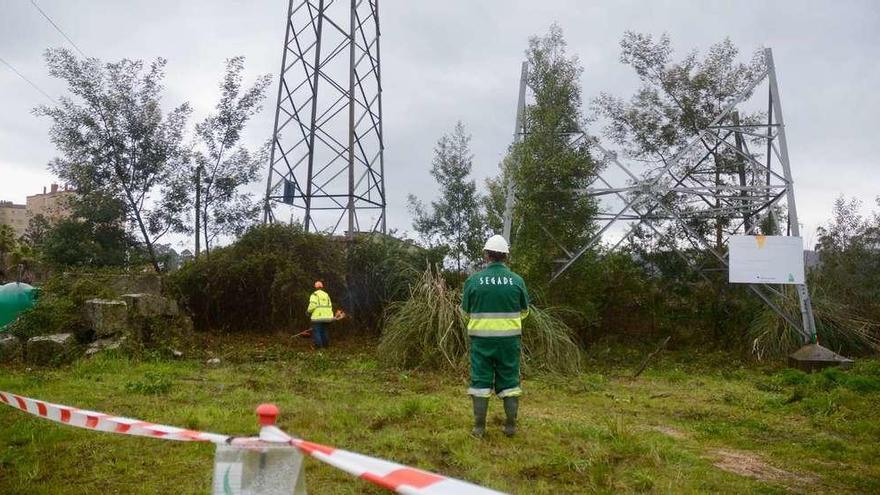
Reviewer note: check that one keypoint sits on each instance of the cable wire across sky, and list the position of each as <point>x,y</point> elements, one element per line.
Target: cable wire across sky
<point>33,84</point>
<point>62,33</point>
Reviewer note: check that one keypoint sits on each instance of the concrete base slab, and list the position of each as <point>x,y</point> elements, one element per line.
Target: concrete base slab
<point>814,357</point>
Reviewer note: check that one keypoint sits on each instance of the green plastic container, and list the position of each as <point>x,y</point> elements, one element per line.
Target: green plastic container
<point>15,297</point>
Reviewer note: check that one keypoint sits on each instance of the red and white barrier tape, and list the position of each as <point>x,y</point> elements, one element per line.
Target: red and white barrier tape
<point>103,422</point>
<point>390,475</point>
<point>396,477</point>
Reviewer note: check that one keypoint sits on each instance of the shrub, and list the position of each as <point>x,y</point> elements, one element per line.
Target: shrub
<point>427,329</point>
<point>837,327</point>
<point>261,282</point>
<point>548,343</point>
<point>632,295</point>
<point>380,270</point>
<point>48,316</point>
<point>59,308</point>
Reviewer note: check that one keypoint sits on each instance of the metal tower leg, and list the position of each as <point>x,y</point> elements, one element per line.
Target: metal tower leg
<point>517,137</point>
<point>809,324</point>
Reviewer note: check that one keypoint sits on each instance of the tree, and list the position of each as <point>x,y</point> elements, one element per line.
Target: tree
<point>678,99</point>
<point>94,235</point>
<point>219,168</point>
<point>548,170</point>
<point>455,218</point>
<point>849,259</point>
<point>495,198</point>
<point>115,140</point>
<point>7,244</point>
<point>35,234</point>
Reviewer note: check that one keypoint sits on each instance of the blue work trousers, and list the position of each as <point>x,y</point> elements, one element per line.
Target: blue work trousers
<point>319,334</point>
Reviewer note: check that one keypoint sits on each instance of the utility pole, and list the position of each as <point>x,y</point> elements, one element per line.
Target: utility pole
<point>198,181</point>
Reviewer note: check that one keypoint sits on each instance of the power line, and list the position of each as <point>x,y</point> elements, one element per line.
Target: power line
<point>34,3</point>
<point>28,80</point>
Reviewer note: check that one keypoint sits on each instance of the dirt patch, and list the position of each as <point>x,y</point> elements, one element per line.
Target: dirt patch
<point>752,466</point>
<point>671,432</point>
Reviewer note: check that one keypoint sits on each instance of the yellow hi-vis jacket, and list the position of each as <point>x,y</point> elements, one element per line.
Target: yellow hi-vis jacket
<point>320,307</point>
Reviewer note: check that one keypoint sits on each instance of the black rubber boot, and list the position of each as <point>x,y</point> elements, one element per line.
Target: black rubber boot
<point>511,406</point>
<point>481,407</point>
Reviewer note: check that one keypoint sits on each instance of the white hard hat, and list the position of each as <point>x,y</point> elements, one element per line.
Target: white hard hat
<point>497,243</point>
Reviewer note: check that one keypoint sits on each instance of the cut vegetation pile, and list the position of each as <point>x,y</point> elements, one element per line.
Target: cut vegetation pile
<point>429,330</point>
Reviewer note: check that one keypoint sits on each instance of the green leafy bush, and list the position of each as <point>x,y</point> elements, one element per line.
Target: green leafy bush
<point>48,316</point>
<point>262,281</point>
<point>59,308</point>
<point>380,270</point>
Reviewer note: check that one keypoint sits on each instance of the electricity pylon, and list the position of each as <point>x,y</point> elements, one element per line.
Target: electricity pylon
<point>326,166</point>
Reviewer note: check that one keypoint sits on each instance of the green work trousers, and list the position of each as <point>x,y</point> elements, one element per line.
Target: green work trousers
<point>495,366</point>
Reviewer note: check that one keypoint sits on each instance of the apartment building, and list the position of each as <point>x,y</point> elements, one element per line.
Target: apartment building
<point>52,204</point>
<point>15,216</point>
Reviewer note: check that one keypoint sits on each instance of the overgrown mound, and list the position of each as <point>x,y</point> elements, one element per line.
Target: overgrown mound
<point>429,330</point>
<point>263,280</point>
<point>59,305</point>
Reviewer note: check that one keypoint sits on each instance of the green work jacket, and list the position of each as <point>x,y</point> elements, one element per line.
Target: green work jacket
<point>496,301</point>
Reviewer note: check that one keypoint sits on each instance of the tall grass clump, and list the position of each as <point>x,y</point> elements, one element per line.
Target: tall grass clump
<point>429,329</point>
<point>837,328</point>
<point>549,343</point>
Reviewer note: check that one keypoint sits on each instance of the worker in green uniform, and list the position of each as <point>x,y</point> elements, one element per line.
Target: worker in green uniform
<point>321,313</point>
<point>496,301</point>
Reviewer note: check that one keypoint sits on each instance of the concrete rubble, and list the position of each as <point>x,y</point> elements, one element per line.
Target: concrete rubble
<point>10,348</point>
<point>51,349</point>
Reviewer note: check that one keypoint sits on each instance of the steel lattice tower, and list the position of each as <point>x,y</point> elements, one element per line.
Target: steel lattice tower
<point>639,200</point>
<point>326,165</point>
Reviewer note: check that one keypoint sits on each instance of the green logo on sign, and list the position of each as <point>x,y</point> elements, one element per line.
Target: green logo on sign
<point>227,488</point>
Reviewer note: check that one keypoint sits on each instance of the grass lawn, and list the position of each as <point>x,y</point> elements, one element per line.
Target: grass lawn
<point>710,424</point>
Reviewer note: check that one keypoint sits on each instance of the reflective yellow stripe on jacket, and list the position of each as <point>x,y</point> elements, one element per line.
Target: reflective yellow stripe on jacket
<point>495,324</point>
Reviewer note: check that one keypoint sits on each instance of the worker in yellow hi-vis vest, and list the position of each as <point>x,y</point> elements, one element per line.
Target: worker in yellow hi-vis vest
<point>321,312</point>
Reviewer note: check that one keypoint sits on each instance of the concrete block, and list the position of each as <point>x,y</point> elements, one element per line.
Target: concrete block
<point>50,349</point>
<point>10,348</point>
<point>106,317</point>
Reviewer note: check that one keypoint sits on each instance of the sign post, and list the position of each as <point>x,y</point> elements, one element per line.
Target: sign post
<point>766,259</point>
<point>779,260</point>
<point>261,468</point>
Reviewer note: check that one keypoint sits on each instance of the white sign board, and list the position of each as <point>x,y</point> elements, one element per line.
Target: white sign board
<point>766,259</point>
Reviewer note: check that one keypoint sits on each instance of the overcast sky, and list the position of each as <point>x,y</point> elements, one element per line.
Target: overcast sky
<point>452,60</point>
